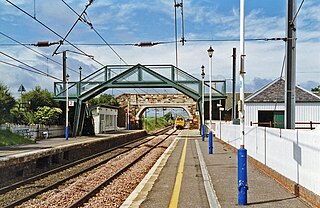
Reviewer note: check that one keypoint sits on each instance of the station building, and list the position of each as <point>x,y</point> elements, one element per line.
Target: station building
<point>105,118</point>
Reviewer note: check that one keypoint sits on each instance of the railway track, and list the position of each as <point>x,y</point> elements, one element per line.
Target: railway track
<point>63,176</point>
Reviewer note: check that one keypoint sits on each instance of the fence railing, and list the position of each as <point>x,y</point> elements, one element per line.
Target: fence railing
<point>36,131</point>
<point>308,125</point>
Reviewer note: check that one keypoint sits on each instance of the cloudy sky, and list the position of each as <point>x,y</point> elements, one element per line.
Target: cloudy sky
<point>127,22</point>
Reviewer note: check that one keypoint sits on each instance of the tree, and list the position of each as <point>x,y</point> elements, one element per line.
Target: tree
<point>168,116</point>
<point>7,102</point>
<point>39,98</point>
<point>47,115</point>
<point>18,117</point>
<point>105,99</point>
<point>316,89</point>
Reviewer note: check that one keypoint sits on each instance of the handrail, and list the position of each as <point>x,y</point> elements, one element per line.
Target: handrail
<point>271,124</point>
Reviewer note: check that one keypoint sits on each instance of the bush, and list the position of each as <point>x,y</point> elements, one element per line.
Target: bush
<point>47,116</point>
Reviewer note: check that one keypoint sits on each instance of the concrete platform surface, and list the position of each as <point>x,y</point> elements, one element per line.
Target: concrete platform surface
<point>159,187</point>
<point>20,150</point>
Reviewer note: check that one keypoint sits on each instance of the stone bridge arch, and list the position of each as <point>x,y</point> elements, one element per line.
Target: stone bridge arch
<point>138,103</point>
<point>143,109</point>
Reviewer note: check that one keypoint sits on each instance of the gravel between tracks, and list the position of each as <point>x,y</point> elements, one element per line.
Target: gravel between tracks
<point>66,194</point>
<point>117,192</point>
<point>28,189</point>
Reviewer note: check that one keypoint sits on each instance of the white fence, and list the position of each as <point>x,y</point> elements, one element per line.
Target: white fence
<point>35,131</point>
<point>293,153</point>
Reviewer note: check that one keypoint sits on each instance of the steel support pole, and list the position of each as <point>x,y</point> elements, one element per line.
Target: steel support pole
<point>210,107</point>
<point>202,105</point>
<point>290,98</point>
<point>242,152</point>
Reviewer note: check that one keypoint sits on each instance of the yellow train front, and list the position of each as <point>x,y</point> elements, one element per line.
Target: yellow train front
<point>179,123</point>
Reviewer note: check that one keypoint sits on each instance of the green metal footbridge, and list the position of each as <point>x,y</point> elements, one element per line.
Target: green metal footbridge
<point>137,76</point>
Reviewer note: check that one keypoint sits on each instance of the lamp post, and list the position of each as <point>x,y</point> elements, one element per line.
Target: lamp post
<point>128,124</point>
<point>210,53</point>
<point>80,73</point>
<point>67,107</point>
<point>202,103</point>
<point>220,109</point>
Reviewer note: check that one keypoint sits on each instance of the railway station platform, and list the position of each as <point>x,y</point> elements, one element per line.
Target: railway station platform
<point>26,149</point>
<point>185,174</point>
<point>23,161</point>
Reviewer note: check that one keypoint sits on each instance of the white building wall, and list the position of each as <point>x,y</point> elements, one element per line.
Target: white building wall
<point>105,119</point>
<point>293,153</point>
<point>305,112</point>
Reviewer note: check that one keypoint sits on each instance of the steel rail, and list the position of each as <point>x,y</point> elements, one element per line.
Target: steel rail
<point>99,187</point>
<point>62,168</point>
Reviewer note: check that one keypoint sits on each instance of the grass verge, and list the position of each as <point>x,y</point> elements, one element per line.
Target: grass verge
<point>7,138</point>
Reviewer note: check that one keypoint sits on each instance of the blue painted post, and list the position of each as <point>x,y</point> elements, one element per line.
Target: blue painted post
<point>203,133</point>
<point>210,143</point>
<point>128,126</point>
<point>242,176</point>
<point>67,132</point>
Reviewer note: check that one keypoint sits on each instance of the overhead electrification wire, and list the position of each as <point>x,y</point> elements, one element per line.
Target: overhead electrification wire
<point>235,40</point>
<point>51,30</point>
<point>281,75</point>
<point>35,69</point>
<point>83,19</point>
<point>295,16</point>
<point>74,24</point>
<point>88,22</point>
<point>27,46</point>
<point>150,44</point>
<point>17,66</point>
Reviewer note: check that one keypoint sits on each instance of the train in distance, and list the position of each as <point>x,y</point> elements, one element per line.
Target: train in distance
<point>179,122</point>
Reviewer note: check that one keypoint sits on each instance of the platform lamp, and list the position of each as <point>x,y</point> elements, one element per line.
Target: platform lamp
<point>220,109</point>
<point>80,73</point>
<point>67,107</point>
<point>202,104</point>
<point>210,54</point>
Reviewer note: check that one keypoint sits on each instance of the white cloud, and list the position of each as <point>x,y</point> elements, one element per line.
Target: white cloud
<point>264,59</point>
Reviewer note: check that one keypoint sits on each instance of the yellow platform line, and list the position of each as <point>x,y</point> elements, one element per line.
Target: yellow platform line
<point>177,186</point>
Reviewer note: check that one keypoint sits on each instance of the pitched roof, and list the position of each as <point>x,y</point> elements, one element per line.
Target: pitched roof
<point>274,92</point>
<point>229,99</point>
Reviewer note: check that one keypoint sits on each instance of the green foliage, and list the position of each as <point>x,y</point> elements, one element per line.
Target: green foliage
<point>19,117</point>
<point>105,99</point>
<point>151,124</point>
<point>47,116</point>
<point>8,138</point>
<point>168,117</point>
<point>39,98</point>
<point>315,89</point>
<point>7,102</point>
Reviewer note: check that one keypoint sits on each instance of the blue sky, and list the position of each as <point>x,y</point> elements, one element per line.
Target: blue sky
<point>137,21</point>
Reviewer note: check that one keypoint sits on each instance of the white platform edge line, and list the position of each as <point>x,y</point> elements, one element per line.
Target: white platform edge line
<point>211,194</point>
<point>132,200</point>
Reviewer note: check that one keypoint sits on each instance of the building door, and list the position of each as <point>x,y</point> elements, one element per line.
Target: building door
<point>278,119</point>
<point>271,119</point>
